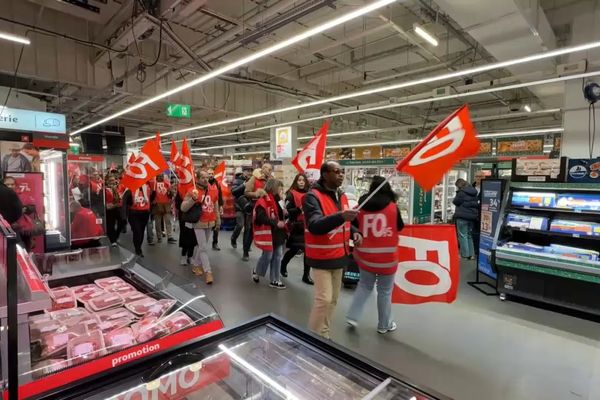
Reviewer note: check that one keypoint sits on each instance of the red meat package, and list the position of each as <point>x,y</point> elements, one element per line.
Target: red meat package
<point>160,308</point>
<point>68,313</point>
<point>119,339</point>
<point>81,289</point>
<point>110,281</point>
<point>130,297</point>
<point>36,319</point>
<point>115,313</point>
<point>105,301</point>
<point>62,299</point>
<point>89,321</point>
<point>54,344</point>
<point>147,329</point>
<point>90,294</point>
<point>85,347</point>
<point>176,322</point>
<point>110,325</point>
<point>38,329</point>
<point>120,288</point>
<point>48,366</point>
<point>141,307</point>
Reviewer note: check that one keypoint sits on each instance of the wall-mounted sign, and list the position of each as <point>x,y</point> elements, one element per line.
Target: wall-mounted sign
<point>520,146</point>
<point>485,147</point>
<point>283,142</point>
<point>367,153</point>
<point>32,121</point>
<point>178,111</point>
<point>396,152</point>
<point>584,170</point>
<point>368,163</point>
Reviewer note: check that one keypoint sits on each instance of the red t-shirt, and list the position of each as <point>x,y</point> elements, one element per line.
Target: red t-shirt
<point>210,202</point>
<point>162,192</point>
<point>84,225</point>
<point>96,187</point>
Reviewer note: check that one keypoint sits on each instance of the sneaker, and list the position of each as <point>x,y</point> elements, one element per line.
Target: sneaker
<point>246,257</point>
<point>189,261</point>
<point>113,245</point>
<point>171,240</point>
<point>183,261</point>
<point>351,323</point>
<point>277,285</point>
<point>197,270</point>
<point>151,243</point>
<point>208,278</point>
<point>308,280</point>
<point>390,329</point>
<point>216,247</point>
<point>233,244</point>
<point>255,277</point>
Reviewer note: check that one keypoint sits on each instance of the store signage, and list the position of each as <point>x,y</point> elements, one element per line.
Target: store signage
<point>521,146</point>
<point>583,170</point>
<point>367,153</point>
<point>367,163</point>
<point>178,111</point>
<point>485,147</point>
<point>422,204</point>
<point>30,189</point>
<point>283,142</point>
<point>491,200</point>
<point>32,121</point>
<point>540,170</point>
<point>396,152</point>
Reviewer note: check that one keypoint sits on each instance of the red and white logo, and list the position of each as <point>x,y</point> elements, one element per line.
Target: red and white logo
<point>376,225</point>
<point>309,159</point>
<point>428,270</point>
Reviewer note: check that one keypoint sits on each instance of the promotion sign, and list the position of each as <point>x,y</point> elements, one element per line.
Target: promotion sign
<point>491,199</point>
<point>429,267</point>
<point>285,139</point>
<point>30,189</point>
<point>520,147</point>
<point>584,170</point>
<point>367,153</point>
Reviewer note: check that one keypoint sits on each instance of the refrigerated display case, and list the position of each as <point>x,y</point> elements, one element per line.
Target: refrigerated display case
<point>56,208</point>
<point>267,358</point>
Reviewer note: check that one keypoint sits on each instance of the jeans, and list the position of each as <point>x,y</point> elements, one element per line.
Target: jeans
<point>201,252</point>
<point>328,283</point>
<point>215,237</point>
<point>239,225</point>
<point>150,231</point>
<point>162,217</point>
<point>464,229</point>
<point>270,260</point>
<point>385,285</point>
<point>114,224</point>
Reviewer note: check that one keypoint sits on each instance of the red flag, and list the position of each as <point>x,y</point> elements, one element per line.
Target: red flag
<point>132,158</point>
<point>220,172</point>
<point>309,159</point>
<point>184,168</point>
<point>157,139</point>
<point>453,140</point>
<point>146,166</point>
<point>429,268</point>
<point>173,151</point>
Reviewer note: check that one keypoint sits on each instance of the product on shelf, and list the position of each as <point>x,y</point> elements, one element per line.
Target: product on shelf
<point>524,247</point>
<point>177,321</point>
<point>526,221</point>
<point>112,324</point>
<point>110,281</point>
<point>533,199</point>
<point>54,344</point>
<point>140,307</point>
<point>88,295</point>
<point>160,308</point>
<point>575,227</point>
<point>120,289</point>
<point>130,297</point>
<point>67,313</point>
<point>115,313</point>
<point>119,339</point>
<point>102,302</point>
<point>86,347</point>
<point>574,252</point>
<point>148,329</point>
<point>62,299</point>
<point>579,201</point>
<point>37,330</point>
<point>82,289</point>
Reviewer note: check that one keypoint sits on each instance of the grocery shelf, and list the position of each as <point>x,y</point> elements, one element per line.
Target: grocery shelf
<point>554,233</point>
<point>528,260</point>
<point>554,186</point>
<point>556,210</point>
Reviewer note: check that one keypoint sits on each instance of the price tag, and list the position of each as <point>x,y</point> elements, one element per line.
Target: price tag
<point>526,207</point>
<point>576,235</point>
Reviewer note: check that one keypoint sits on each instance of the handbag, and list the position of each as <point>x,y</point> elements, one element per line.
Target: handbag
<point>194,213</point>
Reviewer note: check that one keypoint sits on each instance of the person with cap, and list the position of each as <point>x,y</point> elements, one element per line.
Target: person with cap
<point>242,218</point>
<point>255,189</point>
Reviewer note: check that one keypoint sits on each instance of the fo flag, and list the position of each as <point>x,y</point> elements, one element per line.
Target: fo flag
<point>309,160</point>
<point>220,172</point>
<point>453,140</point>
<point>429,268</point>
<point>148,163</point>
<point>184,168</point>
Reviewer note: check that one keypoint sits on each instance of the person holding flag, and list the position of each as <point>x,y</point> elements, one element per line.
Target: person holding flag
<point>161,209</point>
<point>255,189</point>
<point>136,207</point>
<point>213,181</point>
<point>114,203</point>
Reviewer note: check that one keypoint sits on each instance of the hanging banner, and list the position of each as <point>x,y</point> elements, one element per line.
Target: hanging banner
<point>491,199</point>
<point>429,267</point>
<point>422,203</point>
<point>367,153</point>
<point>283,142</point>
<point>485,147</point>
<point>520,146</point>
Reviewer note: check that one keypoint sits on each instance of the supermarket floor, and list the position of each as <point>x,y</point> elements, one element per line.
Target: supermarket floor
<point>476,348</point>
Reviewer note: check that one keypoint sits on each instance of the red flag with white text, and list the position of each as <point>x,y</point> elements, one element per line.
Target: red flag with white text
<point>148,163</point>
<point>132,158</point>
<point>173,151</point>
<point>309,160</point>
<point>220,172</point>
<point>429,267</point>
<point>453,140</point>
<point>157,139</point>
<point>184,168</point>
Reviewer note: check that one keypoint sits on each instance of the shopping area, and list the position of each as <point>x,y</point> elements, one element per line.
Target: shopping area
<point>94,93</point>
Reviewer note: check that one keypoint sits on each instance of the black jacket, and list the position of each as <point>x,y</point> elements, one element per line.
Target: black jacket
<point>318,224</point>
<point>262,218</point>
<point>238,187</point>
<point>296,238</point>
<point>377,203</point>
<point>467,206</point>
<point>10,205</point>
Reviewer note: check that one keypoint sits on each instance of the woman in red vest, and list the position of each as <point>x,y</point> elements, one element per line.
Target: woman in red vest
<point>137,208</point>
<point>379,222</point>
<point>295,242</point>
<point>269,233</point>
<point>207,196</point>
<point>113,200</point>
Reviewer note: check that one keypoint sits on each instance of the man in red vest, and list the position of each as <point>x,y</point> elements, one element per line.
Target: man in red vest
<point>255,189</point>
<point>161,209</point>
<point>327,237</point>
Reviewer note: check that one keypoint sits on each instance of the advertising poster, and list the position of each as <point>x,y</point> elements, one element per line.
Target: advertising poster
<point>367,153</point>
<point>422,203</point>
<point>582,170</point>
<point>396,153</point>
<point>485,147</point>
<point>332,154</point>
<point>491,199</point>
<point>30,189</point>
<point>19,157</point>
<point>284,139</point>
<point>520,146</point>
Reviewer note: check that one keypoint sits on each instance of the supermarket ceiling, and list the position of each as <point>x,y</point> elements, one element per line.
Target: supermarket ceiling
<point>91,59</point>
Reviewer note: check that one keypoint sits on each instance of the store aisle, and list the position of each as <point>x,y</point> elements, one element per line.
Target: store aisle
<point>477,348</point>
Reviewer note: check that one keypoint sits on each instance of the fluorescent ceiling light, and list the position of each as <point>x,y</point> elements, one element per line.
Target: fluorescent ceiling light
<point>527,108</point>
<point>14,38</point>
<point>426,35</point>
<point>451,75</point>
<point>246,60</point>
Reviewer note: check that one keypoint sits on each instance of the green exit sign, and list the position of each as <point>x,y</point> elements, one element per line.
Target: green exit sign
<point>179,110</point>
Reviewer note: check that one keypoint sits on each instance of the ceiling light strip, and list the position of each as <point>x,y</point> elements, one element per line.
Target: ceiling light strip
<point>451,75</point>
<point>14,38</point>
<point>246,60</point>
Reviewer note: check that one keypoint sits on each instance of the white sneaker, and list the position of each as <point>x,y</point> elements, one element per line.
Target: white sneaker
<point>113,245</point>
<point>352,323</point>
<point>184,261</point>
<point>390,329</point>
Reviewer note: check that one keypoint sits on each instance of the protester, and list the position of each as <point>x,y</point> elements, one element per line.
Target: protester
<point>466,215</point>
<point>479,176</point>
<point>213,182</point>
<point>137,209</point>
<point>150,224</point>
<point>206,197</point>
<point>243,220</point>
<point>379,222</point>
<point>187,237</point>
<point>114,222</point>
<point>295,242</point>
<point>327,217</point>
<point>255,190</point>
<point>96,189</point>
<point>161,209</point>
<point>11,207</point>
<point>85,230</point>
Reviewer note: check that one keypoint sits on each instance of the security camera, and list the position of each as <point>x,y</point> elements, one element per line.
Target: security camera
<point>514,106</point>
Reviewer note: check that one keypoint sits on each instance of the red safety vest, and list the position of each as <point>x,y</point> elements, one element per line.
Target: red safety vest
<point>378,252</point>
<point>259,184</point>
<point>96,187</point>
<point>321,247</point>
<point>162,193</point>
<point>298,201</point>
<point>141,199</point>
<point>210,202</point>
<point>263,237</point>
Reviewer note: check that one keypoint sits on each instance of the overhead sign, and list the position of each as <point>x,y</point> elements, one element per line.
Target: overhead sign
<point>283,142</point>
<point>179,111</point>
<point>520,146</point>
<point>32,121</point>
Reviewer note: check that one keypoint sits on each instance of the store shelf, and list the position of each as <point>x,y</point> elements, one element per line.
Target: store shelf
<point>554,186</point>
<point>555,210</point>
<point>544,263</point>
<point>553,233</point>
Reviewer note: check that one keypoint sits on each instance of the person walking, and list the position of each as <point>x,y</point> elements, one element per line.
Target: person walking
<point>295,242</point>
<point>466,215</point>
<point>150,224</point>
<point>206,197</point>
<point>327,235</point>
<point>379,222</point>
<point>213,182</point>
<point>136,206</point>
<point>254,191</point>
<point>238,187</point>
<point>269,233</point>
<point>161,209</point>
<point>187,237</point>
<point>114,202</point>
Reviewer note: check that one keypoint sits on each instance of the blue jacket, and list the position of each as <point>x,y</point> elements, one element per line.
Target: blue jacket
<point>467,205</point>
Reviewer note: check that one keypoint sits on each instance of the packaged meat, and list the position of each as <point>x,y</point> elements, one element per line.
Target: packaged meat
<point>36,330</point>
<point>85,347</point>
<point>176,322</point>
<point>110,325</point>
<point>147,329</point>
<point>89,321</point>
<point>62,299</point>
<point>81,289</point>
<point>119,339</point>
<point>130,297</point>
<point>105,301</point>
<point>120,289</point>
<point>90,294</point>
<point>36,319</point>
<point>110,281</point>
<point>160,308</point>
<point>68,313</point>
<point>140,307</point>
<point>115,313</point>
<point>48,366</point>
<point>54,344</point>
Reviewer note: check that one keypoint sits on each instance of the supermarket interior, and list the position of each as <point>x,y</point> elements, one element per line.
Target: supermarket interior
<point>196,195</point>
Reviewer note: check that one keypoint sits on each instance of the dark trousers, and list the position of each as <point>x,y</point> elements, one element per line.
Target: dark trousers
<point>114,224</point>
<point>287,257</point>
<point>247,233</point>
<point>215,237</point>
<point>187,252</point>
<point>239,226</point>
<point>138,221</point>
